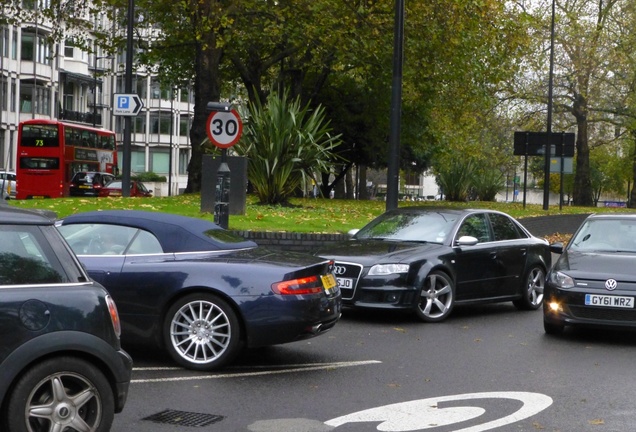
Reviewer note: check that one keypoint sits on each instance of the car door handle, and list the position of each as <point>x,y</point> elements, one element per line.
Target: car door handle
<point>493,255</point>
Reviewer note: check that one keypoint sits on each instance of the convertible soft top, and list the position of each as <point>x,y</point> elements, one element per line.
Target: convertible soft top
<point>175,233</point>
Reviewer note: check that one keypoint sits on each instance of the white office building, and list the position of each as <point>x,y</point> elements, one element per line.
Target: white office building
<point>39,79</point>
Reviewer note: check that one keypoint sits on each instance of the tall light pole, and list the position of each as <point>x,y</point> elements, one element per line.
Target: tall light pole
<point>548,147</point>
<point>125,182</point>
<point>172,91</point>
<point>393,171</point>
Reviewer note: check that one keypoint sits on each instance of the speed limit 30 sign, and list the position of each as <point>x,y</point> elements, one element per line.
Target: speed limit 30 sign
<point>224,128</point>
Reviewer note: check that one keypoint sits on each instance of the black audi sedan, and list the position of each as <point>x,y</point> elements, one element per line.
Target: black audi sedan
<point>593,283</point>
<point>199,291</point>
<point>62,366</point>
<point>428,260</point>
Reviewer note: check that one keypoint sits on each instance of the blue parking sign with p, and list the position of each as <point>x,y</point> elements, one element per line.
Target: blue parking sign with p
<point>123,102</point>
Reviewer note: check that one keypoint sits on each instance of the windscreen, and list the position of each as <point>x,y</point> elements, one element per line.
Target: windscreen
<point>433,227</point>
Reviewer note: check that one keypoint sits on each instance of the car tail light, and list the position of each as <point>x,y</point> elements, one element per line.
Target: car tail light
<point>114,315</point>
<point>303,285</point>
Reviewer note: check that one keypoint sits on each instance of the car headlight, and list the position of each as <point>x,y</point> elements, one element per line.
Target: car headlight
<point>387,269</point>
<point>561,280</point>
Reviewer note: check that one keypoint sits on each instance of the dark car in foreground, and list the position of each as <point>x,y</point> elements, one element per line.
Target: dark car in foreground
<point>89,183</point>
<point>593,283</point>
<point>428,260</point>
<point>62,368</point>
<point>114,189</point>
<point>199,291</point>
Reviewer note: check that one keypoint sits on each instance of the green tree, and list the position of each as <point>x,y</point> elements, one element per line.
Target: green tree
<point>285,143</point>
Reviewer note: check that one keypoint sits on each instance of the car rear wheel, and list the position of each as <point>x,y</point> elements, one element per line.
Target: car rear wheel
<point>61,394</point>
<point>532,295</point>
<point>552,329</point>
<point>202,332</point>
<point>437,297</point>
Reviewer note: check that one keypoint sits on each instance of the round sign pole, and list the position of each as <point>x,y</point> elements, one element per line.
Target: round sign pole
<point>224,128</point>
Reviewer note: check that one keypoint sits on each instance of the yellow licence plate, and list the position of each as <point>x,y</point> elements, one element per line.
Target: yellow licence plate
<point>328,282</point>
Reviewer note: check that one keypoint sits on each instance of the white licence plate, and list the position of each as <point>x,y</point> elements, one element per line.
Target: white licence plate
<point>609,301</point>
<point>346,283</point>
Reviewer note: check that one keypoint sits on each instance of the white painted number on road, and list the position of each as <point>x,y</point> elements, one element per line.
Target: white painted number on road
<point>424,413</point>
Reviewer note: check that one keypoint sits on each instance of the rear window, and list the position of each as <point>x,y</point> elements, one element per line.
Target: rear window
<point>26,257</point>
<point>39,163</point>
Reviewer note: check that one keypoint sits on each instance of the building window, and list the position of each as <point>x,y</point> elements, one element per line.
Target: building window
<point>4,103</point>
<point>4,42</point>
<point>14,45</point>
<point>12,95</point>
<point>160,123</point>
<point>28,41</point>
<point>26,98</point>
<point>159,161</point>
<point>43,100</point>
<point>69,90</point>
<point>155,88</point>
<point>139,124</point>
<point>184,125</point>
<point>69,48</point>
<point>138,161</point>
<point>44,51</point>
<point>183,161</point>
<point>140,85</point>
<point>185,95</point>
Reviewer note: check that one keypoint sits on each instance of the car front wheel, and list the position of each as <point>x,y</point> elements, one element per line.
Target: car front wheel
<point>61,394</point>
<point>437,297</point>
<point>202,332</point>
<point>532,295</point>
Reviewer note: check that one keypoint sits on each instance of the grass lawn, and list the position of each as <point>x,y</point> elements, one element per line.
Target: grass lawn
<point>304,215</point>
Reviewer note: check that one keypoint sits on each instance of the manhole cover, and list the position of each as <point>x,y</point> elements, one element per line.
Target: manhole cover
<point>184,418</point>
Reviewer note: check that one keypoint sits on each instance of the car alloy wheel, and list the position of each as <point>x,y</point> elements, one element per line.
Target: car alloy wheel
<point>61,394</point>
<point>437,297</point>
<point>532,295</point>
<point>202,332</point>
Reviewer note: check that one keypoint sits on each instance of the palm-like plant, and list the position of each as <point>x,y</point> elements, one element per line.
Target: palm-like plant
<point>285,144</point>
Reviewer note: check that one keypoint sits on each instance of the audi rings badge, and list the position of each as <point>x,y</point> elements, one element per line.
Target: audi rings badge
<point>339,270</point>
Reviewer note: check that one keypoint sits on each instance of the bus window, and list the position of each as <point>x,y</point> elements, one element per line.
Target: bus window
<point>39,163</point>
<point>107,142</point>
<point>39,136</point>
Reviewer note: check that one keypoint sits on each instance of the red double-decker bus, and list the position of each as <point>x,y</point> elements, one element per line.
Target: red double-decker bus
<point>50,152</point>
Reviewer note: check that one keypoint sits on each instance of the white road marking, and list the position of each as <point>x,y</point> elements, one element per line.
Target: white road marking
<point>425,414</point>
<point>287,369</point>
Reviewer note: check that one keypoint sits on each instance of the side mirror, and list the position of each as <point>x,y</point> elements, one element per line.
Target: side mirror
<point>353,232</point>
<point>467,241</point>
<point>556,248</point>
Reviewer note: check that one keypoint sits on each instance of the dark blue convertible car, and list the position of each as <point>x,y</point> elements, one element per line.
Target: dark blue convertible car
<point>200,291</point>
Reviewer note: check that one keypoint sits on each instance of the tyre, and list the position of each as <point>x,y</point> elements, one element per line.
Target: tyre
<point>202,332</point>
<point>437,297</point>
<point>552,329</point>
<point>532,295</point>
<point>61,394</point>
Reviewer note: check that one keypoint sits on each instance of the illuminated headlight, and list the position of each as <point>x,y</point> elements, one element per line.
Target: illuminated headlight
<point>561,280</point>
<point>387,269</point>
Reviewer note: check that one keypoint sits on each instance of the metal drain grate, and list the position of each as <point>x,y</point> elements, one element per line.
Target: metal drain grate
<point>184,418</point>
